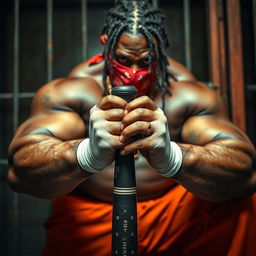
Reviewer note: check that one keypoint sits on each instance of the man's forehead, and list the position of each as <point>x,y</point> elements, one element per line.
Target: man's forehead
<point>132,43</point>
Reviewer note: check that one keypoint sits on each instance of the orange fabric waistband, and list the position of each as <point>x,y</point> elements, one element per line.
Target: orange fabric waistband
<point>177,223</point>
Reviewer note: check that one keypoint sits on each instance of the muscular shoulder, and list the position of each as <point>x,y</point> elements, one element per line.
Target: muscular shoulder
<point>195,98</point>
<point>190,100</point>
<point>67,94</point>
<point>84,69</point>
<point>179,71</point>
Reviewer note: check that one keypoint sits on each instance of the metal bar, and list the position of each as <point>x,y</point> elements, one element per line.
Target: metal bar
<point>155,3</point>
<point>16,65</point>
<point>254,27</point>
<point>250,87</point>
<point>84,28</point>
<point>217,49</point>
<point>49,40</point>
<point>20,95</point>
<point>222,45</point>
<point>14,225</point>
<point>214,61</point>
<point>236,64</point>
<point>186,18</point>
<point>3,161</point>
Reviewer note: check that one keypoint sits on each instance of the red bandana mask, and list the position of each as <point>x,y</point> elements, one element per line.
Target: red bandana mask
<point>143,79</point>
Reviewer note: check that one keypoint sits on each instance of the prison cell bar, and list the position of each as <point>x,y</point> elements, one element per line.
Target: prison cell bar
<point>84,29</point>
<point>217,51</point>
<point>49,47</point>
<point>254,27</point>
<point>155,3</point>
<point>236,75</point>
<point>14,234</point>
<point>186,19</point>
<point>214,46</point>
<point>222,53</point>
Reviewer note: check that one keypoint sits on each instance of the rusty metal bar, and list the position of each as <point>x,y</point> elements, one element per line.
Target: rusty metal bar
<point>217,49</point>
<point>223,63</point>
<point>84,29</point>
<point>186,18</point>
<point>236,76</point>
<point>214,47</point>
<point>49,40</point>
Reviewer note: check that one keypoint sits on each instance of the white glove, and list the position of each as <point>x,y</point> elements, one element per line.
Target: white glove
<point>164,155</point>
<point>97,151</point>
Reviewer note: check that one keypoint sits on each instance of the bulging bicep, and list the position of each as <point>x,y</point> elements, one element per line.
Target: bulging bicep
<point>201,130</point>
<point>61,125</point>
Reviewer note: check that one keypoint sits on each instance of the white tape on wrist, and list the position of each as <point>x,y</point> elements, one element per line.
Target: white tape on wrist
<point>175,161</point>
<point>85,157</point>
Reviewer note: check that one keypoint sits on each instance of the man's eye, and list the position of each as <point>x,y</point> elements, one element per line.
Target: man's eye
<point>122,59</point>
<point>147,60</point>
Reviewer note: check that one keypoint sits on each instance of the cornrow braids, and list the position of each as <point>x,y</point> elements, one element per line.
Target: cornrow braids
<point>138,17</point>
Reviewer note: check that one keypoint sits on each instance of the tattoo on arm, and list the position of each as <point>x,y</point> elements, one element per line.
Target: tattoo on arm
<point>46,99</point>
<point>194,137</point>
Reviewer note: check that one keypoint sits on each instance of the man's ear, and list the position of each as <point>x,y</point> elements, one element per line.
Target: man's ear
<point>103,39</point>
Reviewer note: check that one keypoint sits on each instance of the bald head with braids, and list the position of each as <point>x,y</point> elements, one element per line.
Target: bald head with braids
<point>138,18</point>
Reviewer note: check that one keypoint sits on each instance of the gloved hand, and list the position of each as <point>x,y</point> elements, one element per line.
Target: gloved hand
<point>98,151</point>
<point>145,118</point>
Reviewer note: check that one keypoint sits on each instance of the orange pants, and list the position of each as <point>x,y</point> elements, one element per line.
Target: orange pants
<point>176,224</point>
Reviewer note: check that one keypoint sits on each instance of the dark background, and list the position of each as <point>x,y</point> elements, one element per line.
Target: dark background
<point>22,216</point>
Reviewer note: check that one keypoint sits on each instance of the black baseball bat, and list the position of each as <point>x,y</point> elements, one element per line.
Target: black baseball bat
<point>124,218</point>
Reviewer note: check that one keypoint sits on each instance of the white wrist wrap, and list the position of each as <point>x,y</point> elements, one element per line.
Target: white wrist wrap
<point>85,157</point>
<point>174,162</point>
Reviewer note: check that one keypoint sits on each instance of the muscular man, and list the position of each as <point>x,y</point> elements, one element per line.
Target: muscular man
<point>195,178</point>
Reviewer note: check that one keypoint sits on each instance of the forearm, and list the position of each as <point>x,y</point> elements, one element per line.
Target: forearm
<point>219,171</point>
<point>44,166</point>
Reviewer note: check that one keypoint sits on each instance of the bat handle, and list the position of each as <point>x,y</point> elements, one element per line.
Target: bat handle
<point>124,215</point>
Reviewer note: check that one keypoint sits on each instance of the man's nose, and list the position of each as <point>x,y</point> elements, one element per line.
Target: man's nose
<point>134,67</point>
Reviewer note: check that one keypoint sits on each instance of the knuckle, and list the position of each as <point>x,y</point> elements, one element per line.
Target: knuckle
<point>161,117</point>
<point>125,120</point>
<point>165,120</point>
<point>94,109</point>
<point>160,111</point>
<point>140,146</point>
<point>118,112</point>
<point>95,122</point>
<point>95,115</point>
<point>139,111</point>
<point>92,118</point>
<point>98,134</point>
<point>98,125</point>
<point>109,98</point>
<point>145,97</point>
<point>105,100</point>
<point>125,132</point>
<point>139,125</point>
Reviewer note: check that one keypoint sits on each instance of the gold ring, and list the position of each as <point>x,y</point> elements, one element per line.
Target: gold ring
<point>149,128</point>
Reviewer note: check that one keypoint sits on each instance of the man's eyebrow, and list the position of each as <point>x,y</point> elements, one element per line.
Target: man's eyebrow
<point>146,56</point>
<point>119,54</point>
